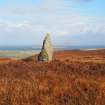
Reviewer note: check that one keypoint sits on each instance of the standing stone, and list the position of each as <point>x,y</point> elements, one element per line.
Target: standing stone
<point>46,53</point>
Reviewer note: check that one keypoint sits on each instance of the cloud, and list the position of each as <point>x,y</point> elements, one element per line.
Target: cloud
<point>46,7</point>
<point>52,16</point>
<point>66,25</point>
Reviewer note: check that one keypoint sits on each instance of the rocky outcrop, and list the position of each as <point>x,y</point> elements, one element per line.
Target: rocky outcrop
<point>46,53</point>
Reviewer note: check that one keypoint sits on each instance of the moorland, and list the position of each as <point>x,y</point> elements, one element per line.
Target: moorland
<point>74,77</point>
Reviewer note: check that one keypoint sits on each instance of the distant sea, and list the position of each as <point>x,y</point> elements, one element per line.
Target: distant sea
<point>20,52</point>
<point>38,48</point>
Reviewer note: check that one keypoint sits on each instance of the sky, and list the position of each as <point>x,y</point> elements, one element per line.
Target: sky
<point>70,22</point>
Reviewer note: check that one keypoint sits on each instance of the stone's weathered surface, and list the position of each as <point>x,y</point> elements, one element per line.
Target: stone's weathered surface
<point>46,53</point>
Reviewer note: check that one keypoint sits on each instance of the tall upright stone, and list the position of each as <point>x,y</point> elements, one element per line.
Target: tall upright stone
<point>46,53</point>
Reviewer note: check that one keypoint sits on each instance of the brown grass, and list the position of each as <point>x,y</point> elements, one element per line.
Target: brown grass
<point>61,82</point>
<point>6,60</point>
